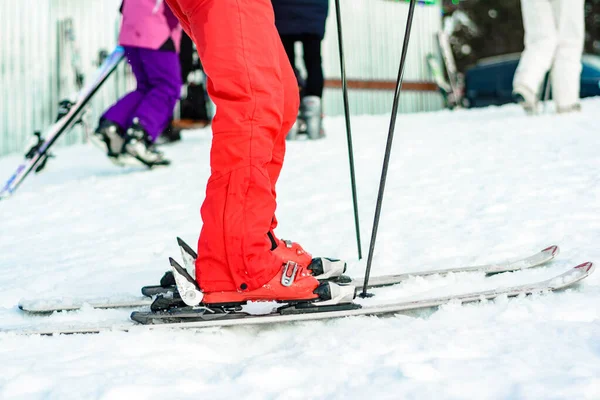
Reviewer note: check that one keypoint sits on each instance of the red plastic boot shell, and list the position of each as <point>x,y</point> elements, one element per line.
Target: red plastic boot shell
<point>291,251</point>
<point>300,289</point>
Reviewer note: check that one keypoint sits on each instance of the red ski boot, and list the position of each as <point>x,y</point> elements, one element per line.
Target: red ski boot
<point>292,284</point>
<point>287,250</point>
<point>321,268</point>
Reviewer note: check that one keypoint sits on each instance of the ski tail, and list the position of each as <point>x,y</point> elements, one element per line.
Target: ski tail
<point>186,285</point>
<point>189,257</point>
<point>186,247</point>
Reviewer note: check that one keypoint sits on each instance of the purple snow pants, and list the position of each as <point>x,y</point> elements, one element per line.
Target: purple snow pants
<point>158,77</point>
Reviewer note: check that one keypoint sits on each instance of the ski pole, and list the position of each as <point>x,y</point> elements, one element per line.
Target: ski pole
<point>388,147</point>
<point>348,128</point>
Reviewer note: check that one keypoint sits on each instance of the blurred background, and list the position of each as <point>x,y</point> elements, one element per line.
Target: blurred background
<point>461,54</point>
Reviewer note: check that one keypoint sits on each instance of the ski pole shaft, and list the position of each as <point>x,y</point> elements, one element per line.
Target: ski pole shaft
<point>388,147</point>
<point>348,128</point>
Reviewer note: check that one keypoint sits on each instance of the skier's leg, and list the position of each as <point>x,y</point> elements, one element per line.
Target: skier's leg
<point>239,48</point>
<point>566,72</point>
<point>163,73</point>
<point>109,135</point>
<point>314,66</point>
<point>540,45</point>
<point>121,112</point>
<point>310,110</point>
<point>246,81</point>
<point>289,42</point>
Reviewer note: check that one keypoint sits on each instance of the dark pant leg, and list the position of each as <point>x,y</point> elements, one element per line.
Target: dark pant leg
<point>121,113</point>
<point>186,56</point>
<point>313,64</point>
<point>288,44</point>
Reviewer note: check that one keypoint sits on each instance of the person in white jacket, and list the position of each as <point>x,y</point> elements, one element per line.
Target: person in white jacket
<point>554,39</point>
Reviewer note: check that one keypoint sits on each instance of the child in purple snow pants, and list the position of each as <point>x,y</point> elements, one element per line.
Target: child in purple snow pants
<point>151,35</point>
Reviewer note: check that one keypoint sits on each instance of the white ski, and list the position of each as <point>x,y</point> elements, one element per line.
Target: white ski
<point>558,282</point>
<point>535,260</point>
<point>44,306</point>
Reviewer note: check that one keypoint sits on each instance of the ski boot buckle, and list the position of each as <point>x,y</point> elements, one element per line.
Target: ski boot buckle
<point>287,276</point>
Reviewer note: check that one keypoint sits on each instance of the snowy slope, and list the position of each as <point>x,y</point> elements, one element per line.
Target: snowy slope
<point>466,187</point>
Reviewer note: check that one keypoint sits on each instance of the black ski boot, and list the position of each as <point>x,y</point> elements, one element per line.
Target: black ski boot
<point>170,134</point>
<point>109,138</point>
<point>140,146</point>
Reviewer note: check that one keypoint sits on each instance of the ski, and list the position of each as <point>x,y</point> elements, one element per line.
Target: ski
<point>542,257</point>
<point>46,306</point>
<point>37,154</point>
<point>438,77</point>
<point>450,64</point>
<point>202,317</point>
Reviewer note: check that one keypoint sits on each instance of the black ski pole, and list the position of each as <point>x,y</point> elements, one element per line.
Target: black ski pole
<point>388,147</point>
<point>348,128</point>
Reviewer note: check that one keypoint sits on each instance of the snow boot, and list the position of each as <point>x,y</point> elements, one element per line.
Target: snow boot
<point>109,138</point>
<point>310,111</point>
<point>575,108</point>
<point>527,99</point>
<point>140,146</point>
<point>293,283</point>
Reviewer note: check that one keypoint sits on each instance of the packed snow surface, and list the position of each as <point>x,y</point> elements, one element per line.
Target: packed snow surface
<point>464,188</point>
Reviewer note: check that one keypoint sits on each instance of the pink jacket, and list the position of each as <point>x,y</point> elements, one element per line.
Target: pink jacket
<point>148,24</point>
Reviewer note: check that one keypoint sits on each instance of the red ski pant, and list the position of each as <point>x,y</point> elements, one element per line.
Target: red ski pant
<point>253,86</point>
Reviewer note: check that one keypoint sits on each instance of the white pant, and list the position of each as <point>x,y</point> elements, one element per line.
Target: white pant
<point>554,38</point>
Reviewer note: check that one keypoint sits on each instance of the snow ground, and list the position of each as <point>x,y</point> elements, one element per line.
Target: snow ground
<point>465,187</point>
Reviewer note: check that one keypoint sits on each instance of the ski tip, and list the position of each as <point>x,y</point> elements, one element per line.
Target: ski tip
<point>553,250</point>
<point>180,242</point>
<point>173,263</point>
<point>586,267</point>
